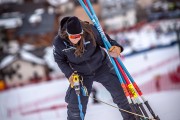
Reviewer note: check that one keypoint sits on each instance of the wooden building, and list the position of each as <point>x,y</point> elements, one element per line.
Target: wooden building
<point>23,68</point>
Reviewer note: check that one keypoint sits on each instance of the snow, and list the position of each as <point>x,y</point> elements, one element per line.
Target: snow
<point>154,62</point>
<point>57,2</point>
<point>30,57</point>
<point>11,22</point>
<point>35,18</point>
<point>36,102</point>
<point>15,104</point>
<point>6,61</point>
<point>166,104</point>
<point>50,59</point>
<point>28,47</point>
<point>25,56</point>
<point>166,107</point>
<point>148,36</point>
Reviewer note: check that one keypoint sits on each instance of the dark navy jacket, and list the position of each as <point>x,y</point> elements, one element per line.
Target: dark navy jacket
<point>92,59</point>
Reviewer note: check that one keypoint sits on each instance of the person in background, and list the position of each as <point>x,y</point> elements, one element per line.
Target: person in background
<point>79,47</point>
<point>94,95</point>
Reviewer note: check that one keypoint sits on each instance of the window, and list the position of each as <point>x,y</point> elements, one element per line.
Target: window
<point>34,64</point>
<point>17,66</point>
<point>19,76</point>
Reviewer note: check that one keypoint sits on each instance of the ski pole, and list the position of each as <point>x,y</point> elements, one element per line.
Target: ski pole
<point>138,90</point>
<point>96,23</point>
<point>90,12</point>
<point>77,90</point>
<point>93,17</point>
<point>80,107</point>
<point>133,94</point>
<point>133,91</point>
<point>122,109</point>
<point>103,36</point>
<point>107,45</point>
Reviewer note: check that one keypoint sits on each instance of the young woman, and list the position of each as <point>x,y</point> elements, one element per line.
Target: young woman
<point>78,47</point>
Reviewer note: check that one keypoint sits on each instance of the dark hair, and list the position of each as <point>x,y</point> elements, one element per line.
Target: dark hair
<point>63,22</point>
<point>87,31</point>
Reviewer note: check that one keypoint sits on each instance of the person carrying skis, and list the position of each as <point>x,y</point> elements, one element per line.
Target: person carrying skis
<point>78,47</point>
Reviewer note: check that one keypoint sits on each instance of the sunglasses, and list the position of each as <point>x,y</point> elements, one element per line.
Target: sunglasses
<point>74,36</point>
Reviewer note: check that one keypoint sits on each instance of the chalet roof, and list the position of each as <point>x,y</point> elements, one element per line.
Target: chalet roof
<point>24,55</point>
<point>3,55</point>
<point>39,52</point>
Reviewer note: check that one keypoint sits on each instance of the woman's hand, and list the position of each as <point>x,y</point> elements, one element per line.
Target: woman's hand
<point>71,80</point>
<point>114,51</point>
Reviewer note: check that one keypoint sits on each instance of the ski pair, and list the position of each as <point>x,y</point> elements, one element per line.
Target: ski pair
<point>131,89</point>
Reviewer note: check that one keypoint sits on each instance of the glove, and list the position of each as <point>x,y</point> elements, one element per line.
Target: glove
<point>114,51</point>
<point>71,80</point>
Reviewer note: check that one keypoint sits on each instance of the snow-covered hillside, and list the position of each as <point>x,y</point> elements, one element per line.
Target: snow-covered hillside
<point>45,101</point>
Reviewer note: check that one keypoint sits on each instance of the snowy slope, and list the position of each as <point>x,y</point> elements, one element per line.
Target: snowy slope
<point>45,101</point>
<point>165,104</point>
<point>145,66</point>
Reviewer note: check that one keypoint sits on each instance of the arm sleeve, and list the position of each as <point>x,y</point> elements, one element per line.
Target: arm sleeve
<point>62,62</point>
<point>100,41</point>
